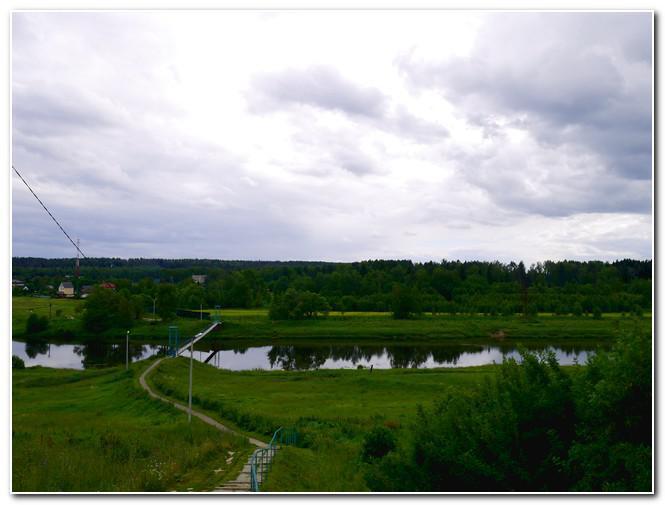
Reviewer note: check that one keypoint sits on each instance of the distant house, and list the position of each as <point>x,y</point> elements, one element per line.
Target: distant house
<point>107,285</point>
<point>19,285</point>
<point>199,279</point>
<point>66,290</point>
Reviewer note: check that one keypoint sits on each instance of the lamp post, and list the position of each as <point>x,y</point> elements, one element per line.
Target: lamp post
<point>191,366</point>
<point>127,352</point>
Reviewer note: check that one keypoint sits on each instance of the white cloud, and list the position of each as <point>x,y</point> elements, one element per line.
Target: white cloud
<point>332,135</point>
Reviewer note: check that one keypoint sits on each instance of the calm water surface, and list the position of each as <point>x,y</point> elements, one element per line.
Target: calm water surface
<point>304,356</point>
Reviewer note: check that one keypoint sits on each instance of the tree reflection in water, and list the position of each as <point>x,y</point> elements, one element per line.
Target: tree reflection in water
<point>96,354</point>
<point>35,347</point>
<point>298,357</point>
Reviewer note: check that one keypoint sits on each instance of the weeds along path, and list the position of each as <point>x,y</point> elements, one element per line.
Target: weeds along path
<point>242,481</point>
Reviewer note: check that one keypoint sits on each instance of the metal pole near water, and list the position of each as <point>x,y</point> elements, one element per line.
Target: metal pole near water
<point>127,352</point>
<point>191,366</point>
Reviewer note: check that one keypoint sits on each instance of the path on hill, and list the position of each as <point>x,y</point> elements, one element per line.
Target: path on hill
<point>242,481</point>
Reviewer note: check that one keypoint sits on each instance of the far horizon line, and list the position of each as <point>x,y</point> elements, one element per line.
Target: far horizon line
<point>329,261</point>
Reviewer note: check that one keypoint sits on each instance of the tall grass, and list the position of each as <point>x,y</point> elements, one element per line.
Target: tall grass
<point>260,401</point>
<point>97,431</point>
<point>332,411</point>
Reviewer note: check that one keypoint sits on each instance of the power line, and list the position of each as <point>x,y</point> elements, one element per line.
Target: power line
<point>48,212</point>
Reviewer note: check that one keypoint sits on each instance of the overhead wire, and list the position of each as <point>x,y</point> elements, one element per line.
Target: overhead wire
<point>48,211</point>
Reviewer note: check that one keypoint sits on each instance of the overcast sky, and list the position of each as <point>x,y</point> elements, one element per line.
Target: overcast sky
<point>335,136</point>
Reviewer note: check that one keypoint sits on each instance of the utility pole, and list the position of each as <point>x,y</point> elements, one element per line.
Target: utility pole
<point>77,270</point>
<point>191,366</point>
<point>127,352</point>
<point>201,312</point>
<point>154,299</point>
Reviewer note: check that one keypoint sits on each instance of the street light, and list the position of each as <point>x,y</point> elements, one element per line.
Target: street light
<point>191,366</point>
<point>127,352</point>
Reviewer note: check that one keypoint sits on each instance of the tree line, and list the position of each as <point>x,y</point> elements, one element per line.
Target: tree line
<point>563,287</point>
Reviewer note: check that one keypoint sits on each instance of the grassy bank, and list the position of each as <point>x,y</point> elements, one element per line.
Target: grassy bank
<point>97,431</point>
<point>260,401</point>
<point>331,409</point>
<point>65,322</point>
<point>65,325</point>
<point>443,326</point>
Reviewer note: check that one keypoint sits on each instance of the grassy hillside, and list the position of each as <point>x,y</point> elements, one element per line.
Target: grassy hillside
<point>332,411</point>
<point>97,431</point>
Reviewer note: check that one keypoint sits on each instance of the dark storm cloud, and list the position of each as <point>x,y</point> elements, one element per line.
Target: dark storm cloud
<point>581,79</point>
<point>322,87</point>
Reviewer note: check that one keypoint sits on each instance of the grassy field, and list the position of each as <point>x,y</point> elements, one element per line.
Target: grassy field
<point>251,324</point>
<point>260,401</point>
<point>331,409</point>
<point>65,324</point>
<point>97,431</point>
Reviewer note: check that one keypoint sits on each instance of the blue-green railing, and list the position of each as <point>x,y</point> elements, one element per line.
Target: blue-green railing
<point>261,460</point>
<point>174,341</point>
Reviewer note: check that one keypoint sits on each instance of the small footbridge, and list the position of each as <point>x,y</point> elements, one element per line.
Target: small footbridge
<point>259,463</point>
<point>192,341</point>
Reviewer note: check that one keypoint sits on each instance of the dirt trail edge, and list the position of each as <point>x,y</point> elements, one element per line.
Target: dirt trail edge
<point>241,482</point>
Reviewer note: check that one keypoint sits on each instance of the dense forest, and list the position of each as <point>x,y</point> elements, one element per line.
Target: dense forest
<point>561,287</point>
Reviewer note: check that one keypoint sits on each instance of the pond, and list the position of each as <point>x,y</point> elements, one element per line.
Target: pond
<point>305,355</point>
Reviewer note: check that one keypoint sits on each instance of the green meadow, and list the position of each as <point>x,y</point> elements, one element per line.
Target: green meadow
<point>332,411</point>
<point>381,325</point>
<point>98,431</point>
<point>65,324</point>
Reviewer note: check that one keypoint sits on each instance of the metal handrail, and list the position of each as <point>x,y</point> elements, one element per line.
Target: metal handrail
<point>261,461</point>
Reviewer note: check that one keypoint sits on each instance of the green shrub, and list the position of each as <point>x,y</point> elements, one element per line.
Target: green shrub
<point>405,302</point>
<point>294,304</point>
<point>612,451</point>
<point>378,442</point>
<point>534,428</point>
<point>36,323</point>
<point>17,363</point>
<point>106,309</point>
